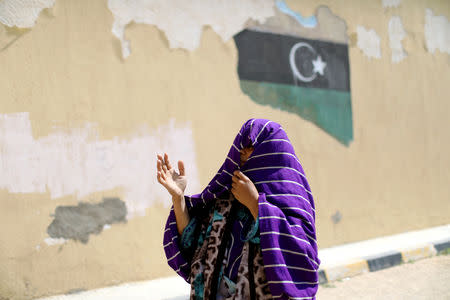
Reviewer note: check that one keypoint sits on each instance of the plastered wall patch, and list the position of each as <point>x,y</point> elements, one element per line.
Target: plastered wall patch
<point>368,41</point>
<point>77,162</point>
<point>80,221</point>
<point>22,13</point>
<point>396,35</point>
<point>183,21</point>
<point>390,3</point>
<point>437,32</point>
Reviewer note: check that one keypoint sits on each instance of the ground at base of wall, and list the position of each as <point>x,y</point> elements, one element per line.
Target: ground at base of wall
<point>423,279</point>
<point>373,259</point>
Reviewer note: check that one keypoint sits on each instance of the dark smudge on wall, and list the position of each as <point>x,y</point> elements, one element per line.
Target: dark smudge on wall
<point>78,222</point>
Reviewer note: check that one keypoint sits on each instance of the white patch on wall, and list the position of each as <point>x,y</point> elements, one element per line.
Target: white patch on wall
<point>437,32</point>
<point>396,35</point>
<point>368,42</point>
<point>182,21</point>
<point>53,241</point>
<point>390,3</point>
<point>76,162</point>
<point>22,13</point>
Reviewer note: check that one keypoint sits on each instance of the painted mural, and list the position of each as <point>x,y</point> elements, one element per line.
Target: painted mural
<point>299,65</point>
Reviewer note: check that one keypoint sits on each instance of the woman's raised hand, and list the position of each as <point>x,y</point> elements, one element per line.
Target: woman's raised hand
<point>174,182</point>
<point>244,190</point>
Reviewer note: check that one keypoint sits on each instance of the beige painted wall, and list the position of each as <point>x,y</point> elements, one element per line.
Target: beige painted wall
<point>67,71</point>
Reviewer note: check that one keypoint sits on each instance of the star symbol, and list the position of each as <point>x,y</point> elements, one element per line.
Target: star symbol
<point>319,65</point>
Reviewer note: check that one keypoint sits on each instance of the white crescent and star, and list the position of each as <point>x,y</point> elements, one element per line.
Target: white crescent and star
<point>318,64</point>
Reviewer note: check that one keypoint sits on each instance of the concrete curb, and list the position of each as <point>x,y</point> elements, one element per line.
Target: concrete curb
<point>381,261</point>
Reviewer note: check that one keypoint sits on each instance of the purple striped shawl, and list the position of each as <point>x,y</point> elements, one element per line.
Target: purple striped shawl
<point>286,210</point>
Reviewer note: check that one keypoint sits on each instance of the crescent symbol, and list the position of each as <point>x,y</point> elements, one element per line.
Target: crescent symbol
<point>292,62</point>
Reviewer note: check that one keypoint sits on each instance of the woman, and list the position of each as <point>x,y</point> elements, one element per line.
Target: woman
<point>250,234</point>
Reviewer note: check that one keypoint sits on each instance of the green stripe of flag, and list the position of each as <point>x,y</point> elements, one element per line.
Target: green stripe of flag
<point>329,109</point>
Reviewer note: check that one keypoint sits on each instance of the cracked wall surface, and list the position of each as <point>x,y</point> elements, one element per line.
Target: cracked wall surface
<point>22,13</point>
<point>183,22</point>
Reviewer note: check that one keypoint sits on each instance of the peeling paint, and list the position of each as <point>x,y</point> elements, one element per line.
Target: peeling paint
<point>308,22</point>
<point>368,41</point>
<point>22,13</point>
<point>183,21</point>
<point>390,3</point>
<point>55,241</point>
<point>396,35</point>
<point>78,222</point>
<point>332,28</point>
<point>437,32</point>
<point>76,162</point>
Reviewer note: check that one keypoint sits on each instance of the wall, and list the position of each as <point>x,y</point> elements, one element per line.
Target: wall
<point>81,121</point>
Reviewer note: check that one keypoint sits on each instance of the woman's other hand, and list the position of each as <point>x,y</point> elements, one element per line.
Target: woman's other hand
<point>245,192</point>
<point>174,182</point>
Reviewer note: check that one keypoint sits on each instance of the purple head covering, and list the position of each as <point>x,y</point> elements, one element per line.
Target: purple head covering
<point>286,208</point>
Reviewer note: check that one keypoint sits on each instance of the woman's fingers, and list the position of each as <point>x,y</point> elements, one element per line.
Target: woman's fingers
<point>159,165</point>
<point>166,159</point>
<point>181,168</point>
<point>235,193</point>
<point>240,175</point>
<point>160,179</point>
<point>163,176</point>
<point>236,179</point>
<point>243,176</point>
<point>158,175</point>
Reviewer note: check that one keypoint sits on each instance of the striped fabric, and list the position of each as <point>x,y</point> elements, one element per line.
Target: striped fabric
<point>286,210</point>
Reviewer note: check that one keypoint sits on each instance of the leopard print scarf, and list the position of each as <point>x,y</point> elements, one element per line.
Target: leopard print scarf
<point>205,259</point>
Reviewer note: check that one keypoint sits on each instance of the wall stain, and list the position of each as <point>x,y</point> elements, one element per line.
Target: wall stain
<point>337,217</point>
<point>78,222</point>
<point>12,34</point>
<point>75,291</point>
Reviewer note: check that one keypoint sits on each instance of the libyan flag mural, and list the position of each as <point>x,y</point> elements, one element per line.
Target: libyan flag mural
<point>292,64</point>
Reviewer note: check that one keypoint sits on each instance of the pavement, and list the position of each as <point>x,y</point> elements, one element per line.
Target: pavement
<point>401,272</point>
<point>427,279</point>
<point>352,259</point>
